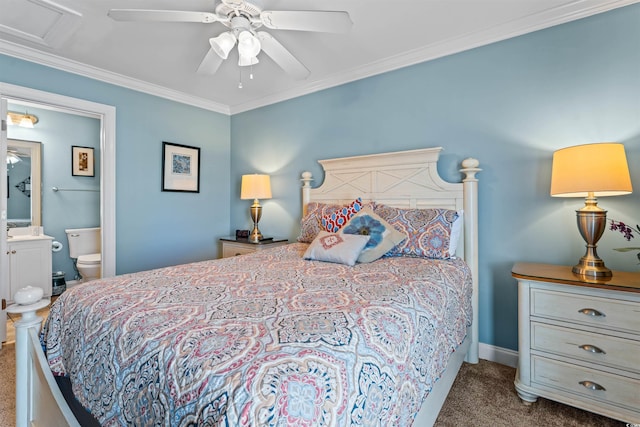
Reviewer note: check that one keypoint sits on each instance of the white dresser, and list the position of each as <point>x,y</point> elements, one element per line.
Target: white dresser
<point>579,341</point>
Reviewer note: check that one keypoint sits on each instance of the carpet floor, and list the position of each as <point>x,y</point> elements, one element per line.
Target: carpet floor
<point>482,395</point>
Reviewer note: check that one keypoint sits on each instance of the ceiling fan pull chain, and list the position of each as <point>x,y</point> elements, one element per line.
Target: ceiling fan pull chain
<point>239,77</point>
<point>251,73</point>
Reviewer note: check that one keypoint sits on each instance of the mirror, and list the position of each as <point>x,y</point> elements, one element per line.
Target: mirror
<point>24,183</point>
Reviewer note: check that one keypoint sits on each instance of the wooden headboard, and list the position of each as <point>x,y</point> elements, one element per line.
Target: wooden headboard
<point>406,179</point>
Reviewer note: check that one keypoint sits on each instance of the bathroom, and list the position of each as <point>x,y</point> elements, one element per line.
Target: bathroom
<point>76,203</point>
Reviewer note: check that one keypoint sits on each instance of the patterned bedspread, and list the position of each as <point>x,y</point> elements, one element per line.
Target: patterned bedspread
<point>266,339</point>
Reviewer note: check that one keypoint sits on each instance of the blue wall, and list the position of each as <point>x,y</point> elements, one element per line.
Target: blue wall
<point>510,105</point>
<point>57,132</point>
<point>153,228</point>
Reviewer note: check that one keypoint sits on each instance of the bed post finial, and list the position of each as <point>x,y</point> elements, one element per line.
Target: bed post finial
<point>470,168</point>
<point>306,190</point>
<point>470,185</point>
<point>306,179</point>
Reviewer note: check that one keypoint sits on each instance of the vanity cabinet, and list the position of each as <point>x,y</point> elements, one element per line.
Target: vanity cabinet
<point>29,264</point>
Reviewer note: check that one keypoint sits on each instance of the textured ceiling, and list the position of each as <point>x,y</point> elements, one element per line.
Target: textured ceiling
<point>162,58</point>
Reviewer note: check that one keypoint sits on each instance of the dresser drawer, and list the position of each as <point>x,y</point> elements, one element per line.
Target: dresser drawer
<point>616,390</point>
<point>586,310</point>
<point>230,250</point>
<point>595,348</point>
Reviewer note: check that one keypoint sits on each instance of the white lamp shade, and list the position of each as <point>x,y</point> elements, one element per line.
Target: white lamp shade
<point>223,44</point>
<point>248,44</point>
<point>245,61</point>
<point>599,168</point>
<point>255,186</point>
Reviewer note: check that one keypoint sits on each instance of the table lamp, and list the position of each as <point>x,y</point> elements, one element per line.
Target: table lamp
<point>589,171</point>
<point>255,187</point>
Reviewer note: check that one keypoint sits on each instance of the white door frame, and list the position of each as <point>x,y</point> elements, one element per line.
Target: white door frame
<point>107,116</point>
<point>4,256</point>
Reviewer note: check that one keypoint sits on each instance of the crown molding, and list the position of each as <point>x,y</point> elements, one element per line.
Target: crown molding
<point>63,64</point>
<point>569,12</point>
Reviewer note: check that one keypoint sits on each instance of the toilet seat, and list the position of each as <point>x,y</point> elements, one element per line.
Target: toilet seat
<point>90,259</point>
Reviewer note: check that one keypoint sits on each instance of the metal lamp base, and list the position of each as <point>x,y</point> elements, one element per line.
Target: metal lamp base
<point>592,268</point>
<point>256,213</point>
<point>592,221</point>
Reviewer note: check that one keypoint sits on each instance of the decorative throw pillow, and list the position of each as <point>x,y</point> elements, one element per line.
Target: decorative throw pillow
<point>383,237</point>
<point>334,247</point>
<point>334,221</point>
<point>310,224</point>
<point>428,230</point>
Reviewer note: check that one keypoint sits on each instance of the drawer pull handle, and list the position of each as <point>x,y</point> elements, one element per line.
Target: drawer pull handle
<point>592,312</point>
<point>592,386</point>
<point>592,348</point>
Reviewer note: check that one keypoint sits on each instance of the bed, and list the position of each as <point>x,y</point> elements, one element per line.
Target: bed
<point>271,338</point>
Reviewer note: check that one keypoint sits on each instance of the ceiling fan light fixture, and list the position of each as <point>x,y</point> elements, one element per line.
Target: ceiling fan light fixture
<point>12,159</point>
<point>223,44</point>
<point>248,44</point>
<point>245,61</point>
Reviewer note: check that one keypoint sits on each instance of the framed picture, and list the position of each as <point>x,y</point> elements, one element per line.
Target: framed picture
<point>82,161</point>
<point>180,168</point>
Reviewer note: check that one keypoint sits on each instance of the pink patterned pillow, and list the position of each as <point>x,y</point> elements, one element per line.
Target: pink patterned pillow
<point>334,221</point>
<point>310,224</point>
<point>428,230</point>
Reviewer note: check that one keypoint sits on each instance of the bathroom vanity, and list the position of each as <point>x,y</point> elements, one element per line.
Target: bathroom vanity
<point>29,263</point>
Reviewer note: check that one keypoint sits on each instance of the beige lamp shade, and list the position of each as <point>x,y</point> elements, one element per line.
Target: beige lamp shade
<point>600,169</point>
<point>255,186</point>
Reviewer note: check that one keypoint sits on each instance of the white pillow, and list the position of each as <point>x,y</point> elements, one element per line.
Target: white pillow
<point>456,229</point>
<point>336,247</point>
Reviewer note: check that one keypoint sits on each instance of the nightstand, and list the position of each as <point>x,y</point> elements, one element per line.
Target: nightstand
<point>233,247</point>
<point>579,340</point>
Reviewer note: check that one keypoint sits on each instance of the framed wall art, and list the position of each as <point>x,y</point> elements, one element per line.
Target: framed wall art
<point>180,168</point>
<point>82,161</point>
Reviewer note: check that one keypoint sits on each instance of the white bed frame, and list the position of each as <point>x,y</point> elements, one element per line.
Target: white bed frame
<point>410,179</point>
<point>400,179</point>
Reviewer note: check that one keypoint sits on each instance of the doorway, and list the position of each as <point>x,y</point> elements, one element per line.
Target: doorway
<point>106,115</point>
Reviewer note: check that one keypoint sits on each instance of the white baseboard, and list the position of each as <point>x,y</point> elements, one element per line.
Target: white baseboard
<point>504,356</point>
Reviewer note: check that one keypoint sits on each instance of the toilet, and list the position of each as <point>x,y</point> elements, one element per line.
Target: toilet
<point>84,249</point>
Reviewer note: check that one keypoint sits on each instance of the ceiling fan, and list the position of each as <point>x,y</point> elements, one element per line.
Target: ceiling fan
<point>244,18</point>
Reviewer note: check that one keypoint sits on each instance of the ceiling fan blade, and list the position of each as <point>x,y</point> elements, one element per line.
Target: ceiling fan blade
<point>282,56</point>
<point>210,63</point>
<point>321,21</point>
<point>162,15</point>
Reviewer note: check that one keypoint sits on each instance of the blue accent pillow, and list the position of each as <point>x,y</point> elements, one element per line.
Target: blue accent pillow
<point>382,236</point>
